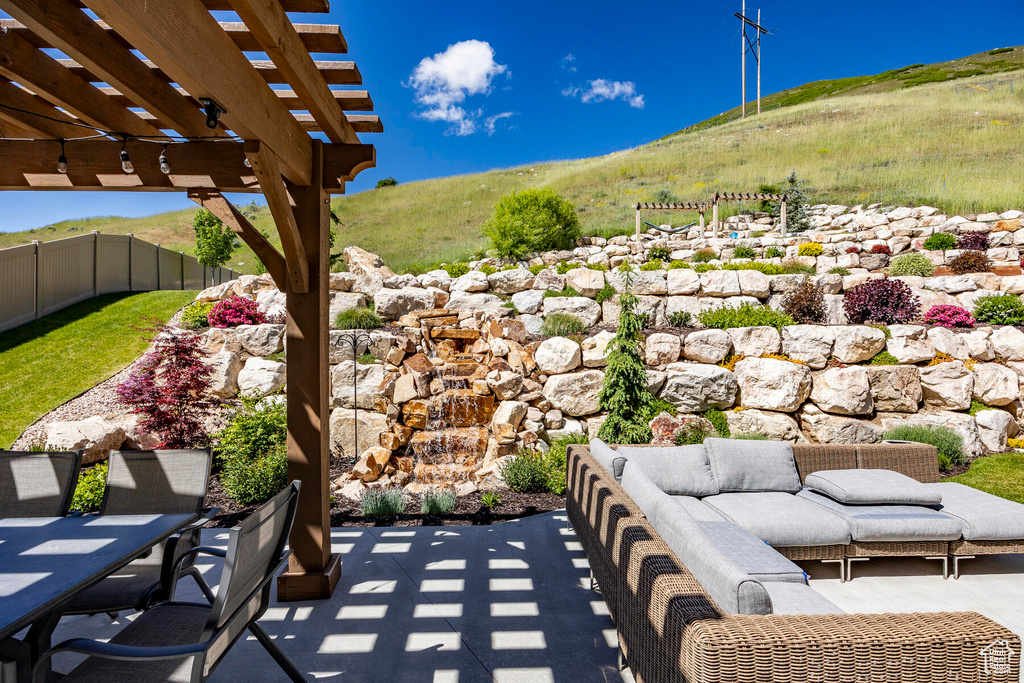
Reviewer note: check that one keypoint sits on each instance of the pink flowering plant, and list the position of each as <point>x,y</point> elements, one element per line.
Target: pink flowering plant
<point>946,315</point>
<point>235,311</point>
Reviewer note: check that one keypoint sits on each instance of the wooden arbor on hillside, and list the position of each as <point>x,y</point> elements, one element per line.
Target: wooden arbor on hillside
<point>712,203</point>
<point>151,96</point>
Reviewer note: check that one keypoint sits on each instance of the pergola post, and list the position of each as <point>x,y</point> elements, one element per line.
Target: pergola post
<point>702,235</point>
<point>313,572</point>
<point>782,216</point>
<point>638,220</point>
<point>714,218</point>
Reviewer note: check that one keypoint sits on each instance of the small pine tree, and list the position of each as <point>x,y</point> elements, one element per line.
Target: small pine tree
<point>795,190</point>
<point>170,389</point>
<point>624,394</point>
<point>214,242</point>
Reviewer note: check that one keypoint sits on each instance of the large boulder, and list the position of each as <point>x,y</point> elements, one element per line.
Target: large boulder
<point>994,428</point>
<point>844,391</point>
<point>587,310</point>
<point>856,343</point>
<point>694,388</point>
<point>995,384</point>
<point>464,302</point>
<point>509,412</point>
<point>510,281</point>
<point>96,436</point>
<point>662,348</point>
<point>909,344</point>
<point>950,343</point>
<point>683,281</point>
<point>271,302</point>
<point>811,344</point>
<point>821,427</point>
<point>754,283</point>
<point>473,281</point>
<point>575,393</point>
<point>895,388</point>
<point>366,378</point>
<point>963,424</point>
<point>392,304</point>
<point>528,301</point>
<point>707,346</point>
<point>772,384</point>
<point>549,280</point>
<point>557,355</point>
<point>435,278</point>
<point>343,431</point>
<point>261,377</point>
<point>261,340</point>
<point>645,282</point>
<point>595,349</point>
<point>1008,343</point>
<point>225,365</point>
<point>586,281</point>
<point>215,293</point>
<point>343,301</point>
<point>341,282</point>
<point>362,262</point>
<point>775,426</point>
<point>979,344</point>
<point>755,341</point>
<point>720,283</point>
<point>947,385</point>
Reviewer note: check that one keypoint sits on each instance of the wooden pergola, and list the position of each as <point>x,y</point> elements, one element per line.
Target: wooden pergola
<point>158,95</point>
<point>712,203</point>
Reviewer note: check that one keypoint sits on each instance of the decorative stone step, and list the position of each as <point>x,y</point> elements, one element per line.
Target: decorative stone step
<point>454,333</point>
<point>443,474</point>
<point>462,408</point>
<point>449,445</point>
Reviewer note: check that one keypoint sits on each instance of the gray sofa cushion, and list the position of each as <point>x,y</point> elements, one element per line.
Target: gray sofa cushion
<point>677,470</point>
<point>985,517</point>
<point>750,553</point>
<point>796,598</point>
<point>735,591</point>
<point>782,519</point>
<point>702,512</point>
<point>890,522</point>
<point>611,459</point>
<point>741,465</point>
<point>872,487</point>
<point>645,493</point>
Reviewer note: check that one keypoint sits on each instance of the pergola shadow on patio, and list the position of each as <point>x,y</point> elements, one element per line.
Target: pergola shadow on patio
<point>509,602</point>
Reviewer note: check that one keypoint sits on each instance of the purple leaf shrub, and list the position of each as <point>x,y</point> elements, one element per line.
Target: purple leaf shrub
<point>883,301</point>
<point>977,241</point>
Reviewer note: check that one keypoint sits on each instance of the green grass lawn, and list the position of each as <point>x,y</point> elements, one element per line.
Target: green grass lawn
<point>1001,475</point>
<point>49,361</point>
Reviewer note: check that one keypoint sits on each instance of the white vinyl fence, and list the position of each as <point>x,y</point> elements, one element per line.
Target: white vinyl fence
<point>43,277</point>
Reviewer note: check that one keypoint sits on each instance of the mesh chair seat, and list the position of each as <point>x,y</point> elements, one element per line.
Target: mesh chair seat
<point>164,625</point>
<point>118,591</point>
<point>37,484</point>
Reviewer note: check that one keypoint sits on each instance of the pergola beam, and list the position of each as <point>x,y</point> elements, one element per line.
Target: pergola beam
<point>334,73</point>
<point>276,35</point>
<point>204,61</point>
<point>319,6</point>
<point>36,114</point>
<point>67,28</point>
<point>267,169</point>
<point>22,62</point>
<point>348,100</point>
<point>219,206</point>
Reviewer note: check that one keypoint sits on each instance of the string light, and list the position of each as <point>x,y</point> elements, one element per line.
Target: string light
<point>62,161</point>
<point>165,167</point>
<point>246,162</point>
<point>126,161</point>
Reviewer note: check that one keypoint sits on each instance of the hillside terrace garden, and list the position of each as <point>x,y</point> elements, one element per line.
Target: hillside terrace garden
<point>472,378</point>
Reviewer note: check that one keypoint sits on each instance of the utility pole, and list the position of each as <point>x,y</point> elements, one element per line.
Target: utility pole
<point>754,46</point>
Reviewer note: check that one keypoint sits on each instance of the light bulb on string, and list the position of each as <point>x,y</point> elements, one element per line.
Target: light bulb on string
<point>62,161</point>
<point>165,167</point>
<point>126,161</point>
<point>246,162</point>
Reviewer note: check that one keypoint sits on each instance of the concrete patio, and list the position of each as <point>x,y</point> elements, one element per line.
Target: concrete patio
<point>510,602</point>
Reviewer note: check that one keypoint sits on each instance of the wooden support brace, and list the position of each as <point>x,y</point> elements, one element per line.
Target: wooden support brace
<point>219,206</point>
<point>268,171</point>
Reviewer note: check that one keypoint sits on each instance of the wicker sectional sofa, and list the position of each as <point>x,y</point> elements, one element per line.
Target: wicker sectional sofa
<point>697,595</point>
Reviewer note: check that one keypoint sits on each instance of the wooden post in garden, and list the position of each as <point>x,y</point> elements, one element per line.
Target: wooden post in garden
<point>782,216</point>
<point>714,217</point>
<point>702,234</point>
<point>638,222</point>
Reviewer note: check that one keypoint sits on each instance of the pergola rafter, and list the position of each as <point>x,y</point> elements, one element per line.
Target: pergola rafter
<point>197,115</point>
<point>712,203</point>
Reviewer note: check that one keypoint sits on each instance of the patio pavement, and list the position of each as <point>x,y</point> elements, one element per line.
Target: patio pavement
<point>506,603</point>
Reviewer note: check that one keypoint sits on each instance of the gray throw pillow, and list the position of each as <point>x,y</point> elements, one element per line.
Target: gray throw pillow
<point>609,457</point>
<point>677,470</point>
<point>872,487</point>
<point>741,465</point>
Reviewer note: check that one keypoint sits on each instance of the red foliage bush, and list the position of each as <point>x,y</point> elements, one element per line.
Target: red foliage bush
<point>235,311</point>
<point>170,389</point>
<point>976,241</point>
<point>853,250</point>
<point>970,261</point>
<point>883,301</point>
<point>881,249</point>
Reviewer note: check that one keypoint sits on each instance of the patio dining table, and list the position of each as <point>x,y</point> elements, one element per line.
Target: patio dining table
<point>46,561</point>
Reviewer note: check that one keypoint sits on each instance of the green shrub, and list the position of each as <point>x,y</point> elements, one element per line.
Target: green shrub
<point>677,264</point>
<point>383,504</point>
<point>757,233</point>
<point>746,315</point>
<point>554,460</point>
<point>718,420</point>
<point>193,316</point>
<point>600,267</point>
<point>839,270</point>
<point>525,472</point>
<point>774,252</point>
<point>456,269</point>
<point>561,325</point>
<point>358,319</point>
<point>743,251</point>
<point>487,269</point>
<point>88,495</point>
<point>811,249</point>
<point>252,451</point>
<point>537,268</point>
<point>214,242</point>
<point>948,442</point>
<point>797,268</point>
<point>692,433</point>
<point>490,498</point>
<point>606,293</point>
<point>704,255</point>
<point>914,263</point>
<point>533,220</point>
<point>552,294</point>
<point>680,319</point>
<point>367,359</point>
<point>999,309</point>
<point>884,358</point>
<point>564,267</point>
<point>940,241</point>
<point>438,502</point>
<point>651,265</point>
<point>659,254</point>
<point>977,406</point>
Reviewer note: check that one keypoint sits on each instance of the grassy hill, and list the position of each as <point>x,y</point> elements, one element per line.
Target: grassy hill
<point>943,134</point>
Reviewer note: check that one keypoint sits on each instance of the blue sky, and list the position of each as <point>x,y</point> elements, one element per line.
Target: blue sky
<point>467,86</point>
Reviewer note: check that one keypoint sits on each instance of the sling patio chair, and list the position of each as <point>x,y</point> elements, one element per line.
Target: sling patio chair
<point>183,642</point>
<point>36,484</point>
<point>144,483</point>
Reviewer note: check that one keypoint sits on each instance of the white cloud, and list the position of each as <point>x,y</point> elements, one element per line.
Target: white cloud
<point>567,62</point>
<point>444,81</point>
<point>491,121</point>
<point>602,90</point>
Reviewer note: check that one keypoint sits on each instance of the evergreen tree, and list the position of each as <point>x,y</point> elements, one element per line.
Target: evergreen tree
<point>796,204</point>
<point>624,395</point>
<point>214,242</point>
